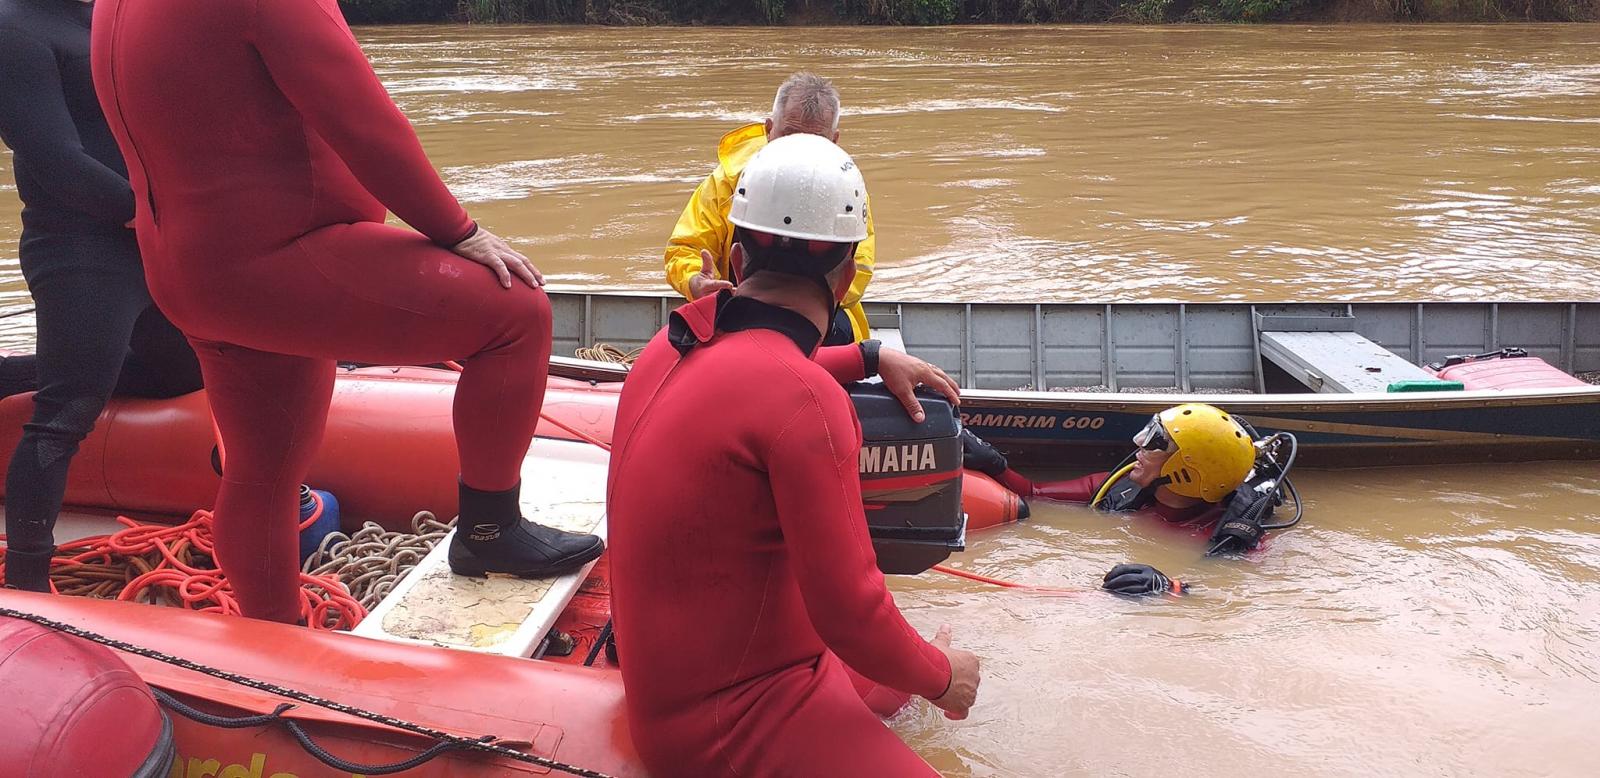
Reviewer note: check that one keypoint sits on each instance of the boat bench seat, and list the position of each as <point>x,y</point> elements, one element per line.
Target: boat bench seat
<point>563,486</point>
<point>1330,357</point>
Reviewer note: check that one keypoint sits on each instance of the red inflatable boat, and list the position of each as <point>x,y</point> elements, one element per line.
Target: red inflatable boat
<point>568,714</point>
<point>389,450</point>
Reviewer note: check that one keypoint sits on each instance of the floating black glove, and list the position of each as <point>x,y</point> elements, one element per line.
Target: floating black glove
<point>1140,579</point>
<point>1239,529</point>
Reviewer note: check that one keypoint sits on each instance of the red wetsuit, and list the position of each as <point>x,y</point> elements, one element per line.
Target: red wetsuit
<point>263,153</point>
<point>738,589</point>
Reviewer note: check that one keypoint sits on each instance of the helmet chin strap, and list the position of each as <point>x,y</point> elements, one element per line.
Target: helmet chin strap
<point>792,260</point>
<point>842,288</point>
<point>1148,492</point>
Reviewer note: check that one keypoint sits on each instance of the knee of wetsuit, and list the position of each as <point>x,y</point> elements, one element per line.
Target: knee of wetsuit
<point>57,431</point>
<point>530,313</point>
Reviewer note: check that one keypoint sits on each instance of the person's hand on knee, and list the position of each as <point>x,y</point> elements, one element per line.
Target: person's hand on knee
<point>487,249</point>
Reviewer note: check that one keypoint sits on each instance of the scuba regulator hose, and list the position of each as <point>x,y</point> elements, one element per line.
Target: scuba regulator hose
<point>1123,468</point>
<point>1273,496</point>
<point>1116,475</point>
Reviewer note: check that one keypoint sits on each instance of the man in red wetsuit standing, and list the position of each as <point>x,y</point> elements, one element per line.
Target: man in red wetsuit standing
<point>739,595</point>
<point>263,151</point>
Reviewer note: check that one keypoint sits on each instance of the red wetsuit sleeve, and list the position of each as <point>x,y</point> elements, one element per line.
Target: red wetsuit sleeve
<point>1079,489</point>
<point>812,466</point>
<point>844,363</point>
<point>317,64</point>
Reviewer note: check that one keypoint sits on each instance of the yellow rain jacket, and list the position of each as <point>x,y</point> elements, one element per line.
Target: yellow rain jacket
<point>704,225</point>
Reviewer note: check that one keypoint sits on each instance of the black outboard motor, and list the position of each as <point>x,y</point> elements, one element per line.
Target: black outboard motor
<point>910,479</point>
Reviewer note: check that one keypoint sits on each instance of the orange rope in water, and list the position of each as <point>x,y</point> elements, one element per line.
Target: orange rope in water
<point>1045,590</point>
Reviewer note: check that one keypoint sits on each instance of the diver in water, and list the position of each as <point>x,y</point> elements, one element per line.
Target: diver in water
<point>1195,465</point>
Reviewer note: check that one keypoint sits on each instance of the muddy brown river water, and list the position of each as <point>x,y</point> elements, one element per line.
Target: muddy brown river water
<point>1437,621</point>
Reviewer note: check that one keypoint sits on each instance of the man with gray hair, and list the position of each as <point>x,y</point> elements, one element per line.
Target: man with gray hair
<point>697,253</point>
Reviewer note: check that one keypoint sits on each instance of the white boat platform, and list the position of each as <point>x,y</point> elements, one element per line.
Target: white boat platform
<point>563,486</point>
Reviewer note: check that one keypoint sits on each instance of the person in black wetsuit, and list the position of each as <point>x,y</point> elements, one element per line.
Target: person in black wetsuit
<point>99,332</point>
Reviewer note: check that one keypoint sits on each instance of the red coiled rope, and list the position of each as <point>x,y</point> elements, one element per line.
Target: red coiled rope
<point>326,603</point>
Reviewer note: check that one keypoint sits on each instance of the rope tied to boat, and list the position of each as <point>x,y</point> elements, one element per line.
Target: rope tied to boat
<point>373,560</point>
<point>605,352</point>
<point>445,741</point>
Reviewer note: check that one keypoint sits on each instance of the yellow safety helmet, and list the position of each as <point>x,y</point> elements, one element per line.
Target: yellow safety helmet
<point>1211,453</point>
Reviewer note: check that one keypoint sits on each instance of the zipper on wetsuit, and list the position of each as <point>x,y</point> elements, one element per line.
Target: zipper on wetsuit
<point>116,97</point>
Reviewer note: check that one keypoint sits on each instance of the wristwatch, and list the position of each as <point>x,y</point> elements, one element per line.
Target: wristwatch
<point>869,356</point>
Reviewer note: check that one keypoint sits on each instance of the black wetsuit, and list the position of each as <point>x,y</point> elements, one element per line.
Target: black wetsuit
<point>98,329</point>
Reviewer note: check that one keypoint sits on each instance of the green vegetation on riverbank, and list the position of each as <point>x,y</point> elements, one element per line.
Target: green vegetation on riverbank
<point>963,11</point>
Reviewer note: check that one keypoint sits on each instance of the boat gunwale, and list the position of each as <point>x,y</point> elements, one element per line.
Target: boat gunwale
<point>1377,401</point>
<point>1033,398</point>
<point>871,304</point>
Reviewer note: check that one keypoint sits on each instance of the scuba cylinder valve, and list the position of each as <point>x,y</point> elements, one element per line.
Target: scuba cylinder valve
<point>319,517</point>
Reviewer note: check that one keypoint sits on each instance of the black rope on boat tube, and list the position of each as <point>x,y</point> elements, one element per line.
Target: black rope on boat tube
<point>446,740</point>
<point>356,768</point>
<point>311,746</point>
<point>221,722</point>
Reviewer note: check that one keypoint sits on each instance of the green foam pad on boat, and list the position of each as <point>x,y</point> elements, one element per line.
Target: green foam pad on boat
<point>1426,386</point>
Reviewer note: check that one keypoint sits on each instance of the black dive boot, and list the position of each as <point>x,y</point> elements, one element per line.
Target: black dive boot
<point>28,570</point>
<point>492,537</point>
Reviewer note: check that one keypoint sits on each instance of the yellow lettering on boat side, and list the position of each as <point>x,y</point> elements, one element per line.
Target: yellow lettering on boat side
<point>195,767</point>
<point>257,762</point>
<point>206,769</point>
<point>199,769</point>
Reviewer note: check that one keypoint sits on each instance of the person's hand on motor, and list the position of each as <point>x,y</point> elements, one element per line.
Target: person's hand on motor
<point>958,699</point>
<point>487,249</point>
<point>706,281</point>
<point>903,373</point>
<point>1138,580</point>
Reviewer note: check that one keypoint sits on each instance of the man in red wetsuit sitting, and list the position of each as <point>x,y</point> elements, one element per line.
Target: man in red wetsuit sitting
<point>262,153</point>
<point>739,595</point>
<point>1190,463</point>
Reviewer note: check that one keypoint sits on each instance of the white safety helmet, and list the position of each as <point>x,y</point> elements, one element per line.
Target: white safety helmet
<point>804,187</point>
